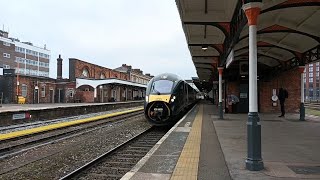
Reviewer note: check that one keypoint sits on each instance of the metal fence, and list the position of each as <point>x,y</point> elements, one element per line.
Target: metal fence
<point>312,99</point>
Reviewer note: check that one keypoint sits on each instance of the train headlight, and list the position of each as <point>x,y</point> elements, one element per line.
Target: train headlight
<point>147,98</point>
<point>173,98</point>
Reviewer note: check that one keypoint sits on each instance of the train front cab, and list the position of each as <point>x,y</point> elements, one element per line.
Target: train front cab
<point>164,101</point>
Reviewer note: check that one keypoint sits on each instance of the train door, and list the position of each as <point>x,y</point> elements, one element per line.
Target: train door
<point>186,93</point>
<point>180,96</point>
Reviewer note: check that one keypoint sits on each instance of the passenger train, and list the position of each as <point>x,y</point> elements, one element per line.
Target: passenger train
<point>167,96</point>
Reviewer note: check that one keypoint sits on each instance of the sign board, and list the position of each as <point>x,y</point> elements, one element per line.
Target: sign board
<point>230,58</point>
<point>19,116</point>
<point>243,95</point>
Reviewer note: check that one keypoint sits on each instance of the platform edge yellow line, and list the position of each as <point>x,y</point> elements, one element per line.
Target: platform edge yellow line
<point>62,125</point>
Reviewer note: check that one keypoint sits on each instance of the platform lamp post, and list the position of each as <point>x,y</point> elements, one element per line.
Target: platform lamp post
<point>220,69</point>
<point>254,159</point>
<point>302,109</point>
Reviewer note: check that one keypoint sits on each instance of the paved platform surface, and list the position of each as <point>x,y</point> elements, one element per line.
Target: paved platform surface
<point>201,146</point>
<point>28,107</point>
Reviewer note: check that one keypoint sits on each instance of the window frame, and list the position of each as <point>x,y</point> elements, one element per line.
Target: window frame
<point>43,91</point>
<point>6,55</point>
<point>24,92</point>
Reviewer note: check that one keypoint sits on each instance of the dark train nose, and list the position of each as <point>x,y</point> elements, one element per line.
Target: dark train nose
<point>158,111</point>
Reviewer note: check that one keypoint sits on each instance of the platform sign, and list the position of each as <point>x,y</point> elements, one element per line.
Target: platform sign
<point>243,95</point>
<point>21,116</point>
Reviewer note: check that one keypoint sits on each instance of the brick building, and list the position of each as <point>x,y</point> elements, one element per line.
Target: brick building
<point>99,84</point>
<point>135,75</point>
<point>312,81</point>
<point>87,83</point>
<point>24,57</point>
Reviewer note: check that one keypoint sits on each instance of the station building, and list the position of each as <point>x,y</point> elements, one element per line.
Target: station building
<point>221,41</point>
<point>87,82</point>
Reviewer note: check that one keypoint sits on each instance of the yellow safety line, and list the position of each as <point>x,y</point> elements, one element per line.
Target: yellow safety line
<point>61,125</point>
<point>187,166</point>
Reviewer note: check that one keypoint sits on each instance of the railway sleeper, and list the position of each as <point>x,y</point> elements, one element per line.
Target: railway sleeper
<point>129,155</point>
<point>109,170</point>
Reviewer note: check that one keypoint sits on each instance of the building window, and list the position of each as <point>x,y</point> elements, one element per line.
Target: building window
<point>310,74</point>
<point>6,43</point>
<point>43,91</point>
<point>6,55</point>
<point>317,63</point>
<point>85,72</point>
<point>70,92</point>
<point>310,65</point>
<point>24,89</point>
<point>102,76</point>
<point>5,66</point>
<point>310,69</point>
<point>317,68</point>
<point>310,92</point>
<point>310,79</point>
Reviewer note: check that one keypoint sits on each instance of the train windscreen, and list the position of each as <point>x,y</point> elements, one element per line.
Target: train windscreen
<point>161,87</point>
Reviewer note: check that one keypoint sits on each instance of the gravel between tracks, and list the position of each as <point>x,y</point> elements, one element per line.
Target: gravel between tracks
<point>56,160</point>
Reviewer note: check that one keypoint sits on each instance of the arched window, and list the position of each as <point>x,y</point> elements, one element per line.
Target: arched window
<point>85,72</point>
<point>102,76</point>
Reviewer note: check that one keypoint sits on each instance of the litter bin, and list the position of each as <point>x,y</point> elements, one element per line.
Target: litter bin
<point>21,100</point>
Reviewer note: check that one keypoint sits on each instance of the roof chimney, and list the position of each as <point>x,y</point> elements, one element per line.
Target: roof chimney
<point>59,67</point>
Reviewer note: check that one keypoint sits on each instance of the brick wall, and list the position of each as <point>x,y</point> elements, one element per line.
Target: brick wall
<point>30,82</point>
<point>86,96</point>
<point>289,80</point>
<point>10,50</point>
<point>76,67</point>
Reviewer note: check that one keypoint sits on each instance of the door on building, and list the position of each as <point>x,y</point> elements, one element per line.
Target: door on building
<point>51,96</point>
<point>243,105</point>
<point>60,95</point>
<point>36,96</point>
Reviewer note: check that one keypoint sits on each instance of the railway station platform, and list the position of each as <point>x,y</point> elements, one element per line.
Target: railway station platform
<point>201,146</point>
<point>29,107</point>
<point>21,113</point>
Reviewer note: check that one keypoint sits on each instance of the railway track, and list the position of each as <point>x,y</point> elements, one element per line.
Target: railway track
<point>11,147</point>
<point>117,162</point>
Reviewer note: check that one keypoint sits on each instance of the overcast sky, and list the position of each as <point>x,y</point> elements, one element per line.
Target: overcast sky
<point>146,34</point>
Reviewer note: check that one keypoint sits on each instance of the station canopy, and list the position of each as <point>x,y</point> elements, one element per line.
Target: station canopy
<point>288,35</point>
